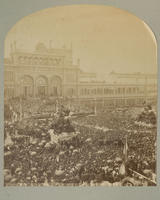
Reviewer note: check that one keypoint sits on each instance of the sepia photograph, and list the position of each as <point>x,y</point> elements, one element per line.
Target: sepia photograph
<point>80,99</point>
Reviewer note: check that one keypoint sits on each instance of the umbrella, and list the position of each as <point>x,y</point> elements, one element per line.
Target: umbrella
<point>34,177</point>
<point>79,165</point>
<point>7,178</point>
<point>99,152</point>
<point>64,134</point>
<point>59,172</point>
<point>106,183</point>
<point>61,153</point>
<point>116,184</point>
<point>34,142</point>
<point>43,141</point>
<point>88,140</point>
<point>7,153</point>
<point>6,171</point>
<point>141,177</point>
<point>145,163</point>
<point>40,144</point>
<point>118,159</point>
<point>47,145</point>
<point>117,169</point>
<point>147,171</point>
<point>33,169</point>
<point>8,145</point>
<point>14,180</point>
<point>18,170</point>
<point>109,161</point>
<point>122,169</point>
<point>128,181</point>
<point>19,173</point>
<point>33,153</point>
<point>110,169</point>
<point>75,150</point>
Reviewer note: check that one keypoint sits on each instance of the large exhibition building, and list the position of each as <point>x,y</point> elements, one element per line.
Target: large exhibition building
<point>50,72</point>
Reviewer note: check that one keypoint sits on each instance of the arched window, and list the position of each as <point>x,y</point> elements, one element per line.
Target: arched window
<point>27,86</point>
<point>56,86</point>
<point>42,86</point>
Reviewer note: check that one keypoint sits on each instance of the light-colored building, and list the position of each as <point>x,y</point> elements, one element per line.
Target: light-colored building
<point>51,72</point>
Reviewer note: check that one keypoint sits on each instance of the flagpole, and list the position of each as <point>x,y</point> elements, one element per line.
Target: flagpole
<point>143,176</point>
<point>21,109</point>
<point>126,155</point>
<point>125,150</point>
<point>122,169</point>
<point>57,106</point>
<point>95,108</point>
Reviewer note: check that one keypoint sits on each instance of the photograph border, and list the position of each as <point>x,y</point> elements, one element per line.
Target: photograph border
<point>12,11</point>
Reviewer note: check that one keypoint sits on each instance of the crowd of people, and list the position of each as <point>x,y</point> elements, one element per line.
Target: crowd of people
<point>96,156</point>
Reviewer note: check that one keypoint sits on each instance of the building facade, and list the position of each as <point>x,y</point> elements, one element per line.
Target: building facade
<point>49,72</point>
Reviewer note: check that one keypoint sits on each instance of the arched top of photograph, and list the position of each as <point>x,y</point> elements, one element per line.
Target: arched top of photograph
<point>101,38</point>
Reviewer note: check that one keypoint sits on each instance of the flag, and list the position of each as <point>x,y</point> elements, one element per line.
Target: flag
<point>57,158</point>
<point>125,149</point>
<point>122,169</point>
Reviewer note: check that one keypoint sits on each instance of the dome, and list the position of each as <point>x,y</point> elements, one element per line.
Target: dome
<point>41,47</point>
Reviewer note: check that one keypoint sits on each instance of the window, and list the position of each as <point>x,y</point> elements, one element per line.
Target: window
<point>9,76</point>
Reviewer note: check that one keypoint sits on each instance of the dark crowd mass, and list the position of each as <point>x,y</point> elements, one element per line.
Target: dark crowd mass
<point>49,143</point>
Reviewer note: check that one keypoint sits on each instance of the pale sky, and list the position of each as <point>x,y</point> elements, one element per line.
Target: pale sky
<point>104,38</point>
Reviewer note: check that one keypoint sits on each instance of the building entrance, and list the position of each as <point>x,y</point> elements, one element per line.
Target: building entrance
<point>56,86</point>
<point>42,86</point>
<point>42,91</point>
<point>27,86</point>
